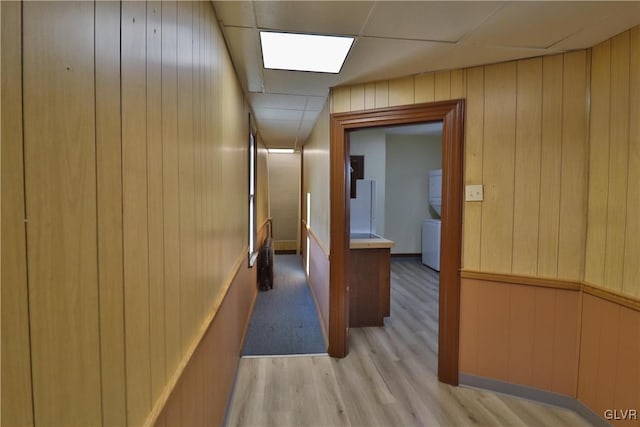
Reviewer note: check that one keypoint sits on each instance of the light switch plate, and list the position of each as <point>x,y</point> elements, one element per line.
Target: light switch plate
<point>473,193</point>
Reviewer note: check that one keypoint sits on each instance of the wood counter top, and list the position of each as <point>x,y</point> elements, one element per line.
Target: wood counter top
<point>371,241</point>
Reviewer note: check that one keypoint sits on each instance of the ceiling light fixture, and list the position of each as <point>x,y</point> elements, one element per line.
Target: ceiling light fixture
<point>304,52</point>
<point>280,150</point>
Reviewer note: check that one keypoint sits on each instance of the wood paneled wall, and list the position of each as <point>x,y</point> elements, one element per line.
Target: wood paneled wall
<point>121,241</point>
<point>539,348</point>
<point>613,247</point>
<point>284,198</point>
<point>526,131</point>
<point>609,358</point>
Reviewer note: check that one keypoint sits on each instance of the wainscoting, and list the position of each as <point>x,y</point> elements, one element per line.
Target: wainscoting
<point>558,336</point>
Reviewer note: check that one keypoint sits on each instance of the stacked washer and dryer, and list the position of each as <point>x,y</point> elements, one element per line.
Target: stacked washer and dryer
<point>431,227</point>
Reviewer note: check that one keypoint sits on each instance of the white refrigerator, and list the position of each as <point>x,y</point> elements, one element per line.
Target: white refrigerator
<point>363,207</point>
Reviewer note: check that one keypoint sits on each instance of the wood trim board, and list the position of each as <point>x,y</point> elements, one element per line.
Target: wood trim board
<point>451,113</point>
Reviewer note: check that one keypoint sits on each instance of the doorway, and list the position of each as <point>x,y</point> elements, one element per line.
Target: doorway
<point>451,113</point>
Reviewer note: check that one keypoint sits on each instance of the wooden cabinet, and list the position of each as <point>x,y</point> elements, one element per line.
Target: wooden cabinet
<point>369,283</point>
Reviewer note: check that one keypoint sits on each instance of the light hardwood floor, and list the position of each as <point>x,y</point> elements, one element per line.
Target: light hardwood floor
<point>388,378</point>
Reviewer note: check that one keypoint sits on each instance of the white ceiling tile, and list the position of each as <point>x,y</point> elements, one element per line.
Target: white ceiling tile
<point>470,54</point>
<point>428,20</point>
<point>299,82</point>
<point>276,100</point>
<point>539,24</point>
<point>310,115</point>
<point>401,58</point>
<point>277,114</point>
<point>244,48</point>
<point>318,17</point>
<point>315,103</point>
<point>235,13</point>
<point>617,22</point>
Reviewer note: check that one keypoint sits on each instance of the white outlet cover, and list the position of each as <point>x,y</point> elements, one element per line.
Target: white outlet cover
<point>473,193</point>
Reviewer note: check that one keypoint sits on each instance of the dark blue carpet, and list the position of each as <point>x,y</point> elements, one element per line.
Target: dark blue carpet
<point>284,319</point>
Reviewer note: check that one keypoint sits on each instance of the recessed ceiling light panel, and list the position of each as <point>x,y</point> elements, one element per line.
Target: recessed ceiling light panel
<point>304,52</point>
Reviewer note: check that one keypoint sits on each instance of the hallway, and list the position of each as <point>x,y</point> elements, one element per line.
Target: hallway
<point>388,378</point>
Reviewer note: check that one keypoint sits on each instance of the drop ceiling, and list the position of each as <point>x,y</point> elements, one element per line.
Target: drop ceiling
<point>395,39</point>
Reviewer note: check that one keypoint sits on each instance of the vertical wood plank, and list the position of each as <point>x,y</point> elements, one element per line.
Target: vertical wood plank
<point>573,186</point>
<point>382,94</point>
<point>607,356</point>
<point>341,99</point>
<point>545,303</point>
<point>17,409</point>
<point>109,188</point>
<point>493,314</point>
<point>618,162</point>
<point>442,85</point>
<point>458,83</point>
<point>630,283</point>
<point>424,86</point>
<point>521,331</point>
<point>369,96</point>
<point>170,186</point>
<point>188,291</point>
<point>627,392</point>
<point>155,198</point>
<point>135,221</point>
<point>498,167</point>
<point>469,326</point>
<point>527,166</point>
<point>598,162</point>
<point>357,97</point>
<point>473,166</point>
<point>565,343</point>
<point>589,344</point>
<point>550,165</point>
<point>60,172</point>
<point>401,91</point>
<point>197,120</point>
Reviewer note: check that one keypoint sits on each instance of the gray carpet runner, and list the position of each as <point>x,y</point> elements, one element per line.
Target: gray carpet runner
<point>284,319</point>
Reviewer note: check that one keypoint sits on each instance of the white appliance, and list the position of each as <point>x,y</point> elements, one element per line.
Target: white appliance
<point>363,207</point>
<point>431,243</point>
<point>431,227</point>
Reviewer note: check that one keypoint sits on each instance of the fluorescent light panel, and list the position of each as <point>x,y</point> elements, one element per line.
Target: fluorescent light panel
<point>281,150</point>
<point>304,52</point>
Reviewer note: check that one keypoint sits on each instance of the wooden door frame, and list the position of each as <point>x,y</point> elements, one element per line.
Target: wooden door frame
<point>451,113</point>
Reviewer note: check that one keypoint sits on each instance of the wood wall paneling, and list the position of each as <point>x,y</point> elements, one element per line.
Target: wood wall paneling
<point>382,94</point>
<point>135,211</point>
<point>630,282</point>
<point>618,162</point>
<point>442,90</point>
<point>109,193</point>
<point>16,357</point>
<point>171,188</point>
<point>400,92</point>
<point>550,165</point>
<point>522,306</point>
<point>527,166</point>
<point>573,184</point>
<point>598,162</point>
<point>186,151</point>
<point>424,87</point>
<point>357,98</point>
<point>458,83</point>
<point>498,167</point>
<point>60,172</point>
<point>473,166</point>
<point>155,217</point>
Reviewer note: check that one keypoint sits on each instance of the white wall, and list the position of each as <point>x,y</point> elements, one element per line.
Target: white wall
<point>408,162</point>
<point>371,143</point>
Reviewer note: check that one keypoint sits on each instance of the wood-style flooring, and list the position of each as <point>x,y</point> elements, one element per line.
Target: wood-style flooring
<point>388,378</point>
